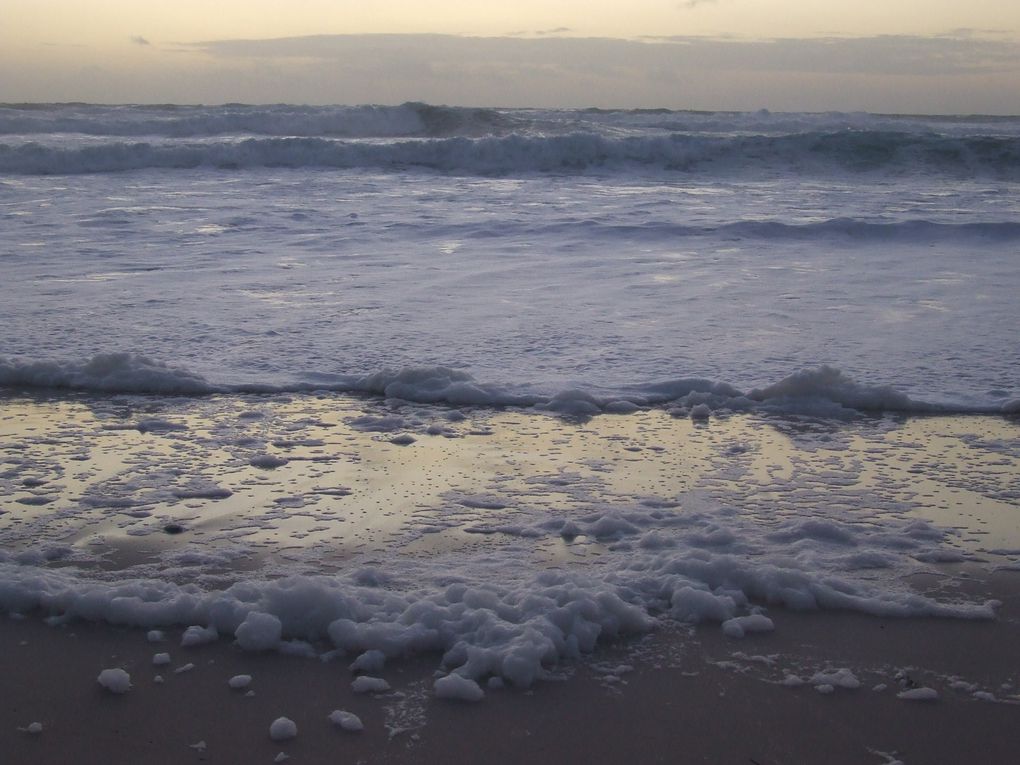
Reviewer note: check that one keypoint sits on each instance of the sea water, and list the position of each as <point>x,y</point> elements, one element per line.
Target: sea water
<point>211,285</point>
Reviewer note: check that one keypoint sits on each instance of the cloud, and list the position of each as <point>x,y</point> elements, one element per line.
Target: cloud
<point>960,73</point>
<point>956,72</point>
<point>139,40</point>
<point>538,32</point>
<point>892,55</point>
<point>970,33</point>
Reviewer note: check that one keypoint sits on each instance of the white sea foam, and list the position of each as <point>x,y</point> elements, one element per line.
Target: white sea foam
<point>259,632</point>
<point>345,720</point>
<point>823,391</point>
<point>282,729</point>
<point>115,680</point>
<point>367,684</point>
<point>106,373</point>
<point>458,687</point>
<point>239,682</point>
<point>715,567</point>
<point>919,694</point>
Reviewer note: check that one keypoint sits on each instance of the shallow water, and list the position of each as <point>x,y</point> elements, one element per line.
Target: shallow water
<point>621,520</point>
<point>540,252</point>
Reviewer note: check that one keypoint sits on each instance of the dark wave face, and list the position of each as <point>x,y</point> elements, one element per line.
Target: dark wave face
<point>808,153</point>
<point>79,138</point>
<point>411,119</point>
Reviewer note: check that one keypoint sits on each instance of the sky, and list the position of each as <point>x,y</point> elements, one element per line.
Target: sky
<point>922,56</point>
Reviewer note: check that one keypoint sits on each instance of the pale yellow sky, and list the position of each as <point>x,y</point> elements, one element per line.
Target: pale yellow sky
<point>111,23</point>
<point>145,51</point>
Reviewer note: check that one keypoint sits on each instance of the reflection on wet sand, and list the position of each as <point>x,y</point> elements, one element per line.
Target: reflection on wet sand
<point>316,480</point>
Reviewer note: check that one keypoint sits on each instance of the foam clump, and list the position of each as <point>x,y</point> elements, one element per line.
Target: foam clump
<point>367,684</point>
<point>739,626</point>
<point>115,680</point>
<point>259,632</point>
<point>458,687</point>
<point>701,412</point>
<point>370,661</point>
<point>106,372</point>
<point>35,728</point>
<point>919,694</point>
<point>239,682</point>
<point>434,385</point>
<point>815,529</point>
<point>346,720</point>
<point>160,659</point>
<point>695,604</point>
<point>840,678</point>
<point>704,565</point>
<point>198,635</point>
<point>574,403</point>
<point>826,390</point>
<point>282,729</point>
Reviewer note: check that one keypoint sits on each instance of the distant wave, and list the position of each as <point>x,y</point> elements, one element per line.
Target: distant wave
<point>833,229</point>
<point>415,119</point>
<point>410,119</point>
<point>821,391</point>
<point>804,153</point>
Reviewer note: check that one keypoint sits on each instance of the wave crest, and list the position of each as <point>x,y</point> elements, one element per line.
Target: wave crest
<point>410,119</point>
<point>105,373</point>
<point>823,391</point>
<point>819,153</point>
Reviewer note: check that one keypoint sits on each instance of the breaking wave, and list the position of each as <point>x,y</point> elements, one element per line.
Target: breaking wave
<point>823,391</point>
<point>833,229</point>
<point>805,153</point>
<point>170,121</point>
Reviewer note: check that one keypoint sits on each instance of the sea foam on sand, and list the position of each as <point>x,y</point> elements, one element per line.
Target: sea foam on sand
<point>537,561</point>
<point>282,729</point>
<point>115,680</point>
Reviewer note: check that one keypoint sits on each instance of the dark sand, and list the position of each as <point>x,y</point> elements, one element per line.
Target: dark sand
<point>692,696</point>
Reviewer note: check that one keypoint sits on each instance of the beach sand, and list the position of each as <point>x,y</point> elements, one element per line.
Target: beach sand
<point>677,696</point>
<point>98,481</point>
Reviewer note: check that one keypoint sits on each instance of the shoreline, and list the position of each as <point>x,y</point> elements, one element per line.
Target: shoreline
<point>687,694</point>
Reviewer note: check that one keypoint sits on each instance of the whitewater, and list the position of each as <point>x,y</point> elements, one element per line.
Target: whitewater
<point>536,252</point>
<point>237,331</point>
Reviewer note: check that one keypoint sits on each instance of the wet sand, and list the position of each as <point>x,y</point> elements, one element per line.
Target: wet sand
<point>675,696</point>
<point>96,482</point>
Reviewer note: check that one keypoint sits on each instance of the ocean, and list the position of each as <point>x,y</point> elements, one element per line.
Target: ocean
<point>499,384</point>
